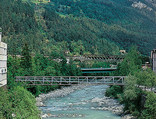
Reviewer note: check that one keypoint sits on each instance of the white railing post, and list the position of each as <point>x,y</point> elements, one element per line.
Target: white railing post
<point>51,82</point>
<point>61,80</point>
<point>87,80</point>
<point>104,80</point>
<point>69,80</point>
<point>43,80</point>
<point>78,80</point>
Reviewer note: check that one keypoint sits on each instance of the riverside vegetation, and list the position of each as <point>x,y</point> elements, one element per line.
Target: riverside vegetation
<point>140,103</point>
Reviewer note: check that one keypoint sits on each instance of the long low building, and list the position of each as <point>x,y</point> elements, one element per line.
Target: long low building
<point>3,62</point>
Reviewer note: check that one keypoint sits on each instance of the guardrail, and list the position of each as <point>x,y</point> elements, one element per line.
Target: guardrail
<point>71,80</point>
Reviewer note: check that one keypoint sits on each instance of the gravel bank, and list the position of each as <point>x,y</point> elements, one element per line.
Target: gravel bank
<point>109,104</point>
<point>57,93</point>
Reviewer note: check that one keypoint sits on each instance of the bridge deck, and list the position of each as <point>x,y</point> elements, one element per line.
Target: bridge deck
<point>106,58</point>
<point>70,80</point>
<point>97,70</point>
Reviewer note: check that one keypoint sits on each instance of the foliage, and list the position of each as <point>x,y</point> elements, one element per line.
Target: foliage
<point>13,67</point>
<point>146,78</point>
<point>60,24</point>
<point>18,103</point>
<point>121,15</point>
<point>23,104</point>
<point>5,105</point>
<point>113,91</point>
<point>136,101</point>
<point>149,111</point>
<point>26,62</point>
<point>132,96</point>
<point>131,63</point>
<point>26,58</point>
<point>100,64</point>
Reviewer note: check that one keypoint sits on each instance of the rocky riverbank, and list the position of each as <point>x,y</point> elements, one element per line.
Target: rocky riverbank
<point>57,93</point>
<point>105,103</point>
<point>109,104</point>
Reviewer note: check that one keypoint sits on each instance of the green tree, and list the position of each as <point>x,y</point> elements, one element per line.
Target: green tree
<point>131,63</point>
<point>26,57</point>
<point>131,96</point>
<point>149,111</point>
<point>5,105</point>
<point>26,61</point>
<point>146,78</point>
<point>114,91</point>
<point>77,48</point>
<point>73,69</point>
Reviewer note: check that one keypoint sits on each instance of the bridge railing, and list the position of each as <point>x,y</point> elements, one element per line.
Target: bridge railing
<point>70,80</point>
<point>107,58</point>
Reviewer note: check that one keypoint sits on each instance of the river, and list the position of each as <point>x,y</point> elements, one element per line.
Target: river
<point>78,105</point>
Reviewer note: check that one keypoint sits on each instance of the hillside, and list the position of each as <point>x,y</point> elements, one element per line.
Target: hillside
<point>136,17</point>
<point>79,26</point>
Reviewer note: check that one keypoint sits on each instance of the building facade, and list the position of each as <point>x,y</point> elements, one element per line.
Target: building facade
<point>3,62</point>
<point>153,59</point>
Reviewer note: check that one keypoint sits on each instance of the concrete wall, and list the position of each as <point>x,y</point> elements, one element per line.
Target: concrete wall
<point>153,58</point>
<point>3,63</point>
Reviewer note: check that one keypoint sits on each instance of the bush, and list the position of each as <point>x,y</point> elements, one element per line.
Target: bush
<point>5,105</point>
<point>24,104</point>
<point>114,91</point>
<point>18,103</point>
<point>132,96</point>
<point>149,111</point>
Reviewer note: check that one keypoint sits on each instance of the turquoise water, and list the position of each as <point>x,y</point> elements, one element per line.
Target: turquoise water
<point>78,105</point>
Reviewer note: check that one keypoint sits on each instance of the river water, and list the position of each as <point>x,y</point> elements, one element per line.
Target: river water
<point>78,105</point>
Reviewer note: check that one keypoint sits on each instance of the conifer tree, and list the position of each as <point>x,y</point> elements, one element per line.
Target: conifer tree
<point>26,57</point>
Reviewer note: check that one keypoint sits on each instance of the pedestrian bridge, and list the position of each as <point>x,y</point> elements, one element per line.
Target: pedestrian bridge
<point>71,80</point>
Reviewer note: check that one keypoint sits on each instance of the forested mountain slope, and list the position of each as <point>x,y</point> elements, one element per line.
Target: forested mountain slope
<point>79,26</point>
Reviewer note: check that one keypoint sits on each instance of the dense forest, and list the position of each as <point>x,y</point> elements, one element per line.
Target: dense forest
<point>78,26</point>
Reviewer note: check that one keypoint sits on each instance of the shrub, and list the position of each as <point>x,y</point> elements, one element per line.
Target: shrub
<point>149,111</point>
<point>114,91</point>
<point>23,104</point>
<point>18,104</point>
